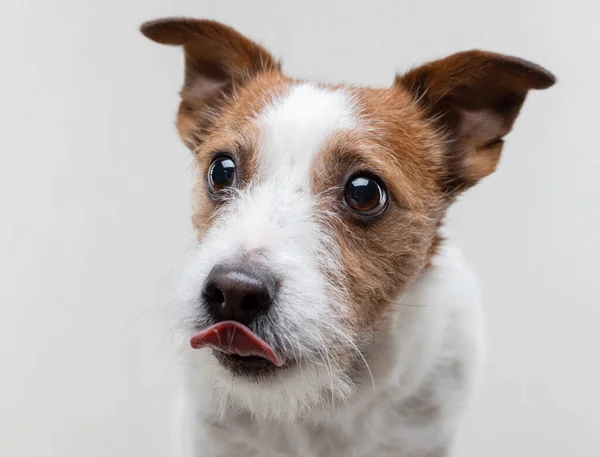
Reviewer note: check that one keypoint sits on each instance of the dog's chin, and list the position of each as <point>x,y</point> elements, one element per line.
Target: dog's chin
<point>290,393</point>
<point>251,368</point>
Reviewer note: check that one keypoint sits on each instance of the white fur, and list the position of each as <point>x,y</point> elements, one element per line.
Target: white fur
<point>294,129</point>
<point>276,218</point>
<point>421,363</point>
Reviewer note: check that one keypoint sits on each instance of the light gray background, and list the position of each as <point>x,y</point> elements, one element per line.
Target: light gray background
<point>95,206</point>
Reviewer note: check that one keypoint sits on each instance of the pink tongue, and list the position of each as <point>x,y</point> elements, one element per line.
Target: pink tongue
<point>232,337</point>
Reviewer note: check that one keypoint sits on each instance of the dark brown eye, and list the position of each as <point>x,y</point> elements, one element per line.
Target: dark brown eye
<point>221,174</point>
<point>364,195</point>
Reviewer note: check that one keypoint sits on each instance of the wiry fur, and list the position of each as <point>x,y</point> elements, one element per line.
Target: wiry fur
<point>377,318</point>
<point>257,223</point>
<point>423,359</point>
<point>277,218</point>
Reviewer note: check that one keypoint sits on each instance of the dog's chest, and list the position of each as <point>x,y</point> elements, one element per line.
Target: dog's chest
<point>349,437</point>
<point>383,429</point>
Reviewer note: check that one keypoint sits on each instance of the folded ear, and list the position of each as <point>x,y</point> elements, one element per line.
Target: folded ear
<point>474,97</point>
<point>218,61</point>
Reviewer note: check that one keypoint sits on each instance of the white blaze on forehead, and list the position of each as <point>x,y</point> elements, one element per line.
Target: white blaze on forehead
<point>296,126</point>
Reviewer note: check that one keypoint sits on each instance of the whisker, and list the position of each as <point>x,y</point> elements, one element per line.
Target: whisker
<point>408,305</point>
<point>328,360</point>
<point>341,333</point>
<point>299,348</point>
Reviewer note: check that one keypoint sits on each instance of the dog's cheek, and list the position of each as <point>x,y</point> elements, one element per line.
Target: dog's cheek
<point>381,260</point>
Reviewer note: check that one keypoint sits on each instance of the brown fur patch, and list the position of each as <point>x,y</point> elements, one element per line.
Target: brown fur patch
<point>474,97</point>
<point>235,132</point>
<point>218,61</point>
<point>383,255</point>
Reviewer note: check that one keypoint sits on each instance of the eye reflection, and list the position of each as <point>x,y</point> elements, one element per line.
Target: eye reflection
<point>365,196</point>
<point>221,174</point>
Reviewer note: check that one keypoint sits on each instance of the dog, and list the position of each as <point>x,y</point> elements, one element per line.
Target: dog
<point>324,312</point>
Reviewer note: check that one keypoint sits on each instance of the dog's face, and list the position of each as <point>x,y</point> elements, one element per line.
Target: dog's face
<point>318,205</point>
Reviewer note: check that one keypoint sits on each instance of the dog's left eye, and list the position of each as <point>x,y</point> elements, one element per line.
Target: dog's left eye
<point>221,174</point>
<point>364,195</point>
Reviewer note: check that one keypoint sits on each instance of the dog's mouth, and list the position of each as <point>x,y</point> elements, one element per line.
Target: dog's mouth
<point>238,344</point>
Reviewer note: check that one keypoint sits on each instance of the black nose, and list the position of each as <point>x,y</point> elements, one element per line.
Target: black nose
<point>238,293</point>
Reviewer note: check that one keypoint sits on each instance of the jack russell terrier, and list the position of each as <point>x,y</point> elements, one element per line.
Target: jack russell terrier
<point>324,313</point>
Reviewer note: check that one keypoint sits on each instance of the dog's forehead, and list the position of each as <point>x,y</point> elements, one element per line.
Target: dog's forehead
<point>294,127</point>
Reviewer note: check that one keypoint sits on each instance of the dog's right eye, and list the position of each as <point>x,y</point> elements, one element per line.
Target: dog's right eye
<point>221,174</point>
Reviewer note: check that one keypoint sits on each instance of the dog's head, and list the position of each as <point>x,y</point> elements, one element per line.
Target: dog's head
<point>317,205</point>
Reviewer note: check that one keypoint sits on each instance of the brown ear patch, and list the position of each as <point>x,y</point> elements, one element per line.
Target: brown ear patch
<point>218,61</point>
<point>174,31</point>
<point>474,97</point>
<point>215,50</point>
